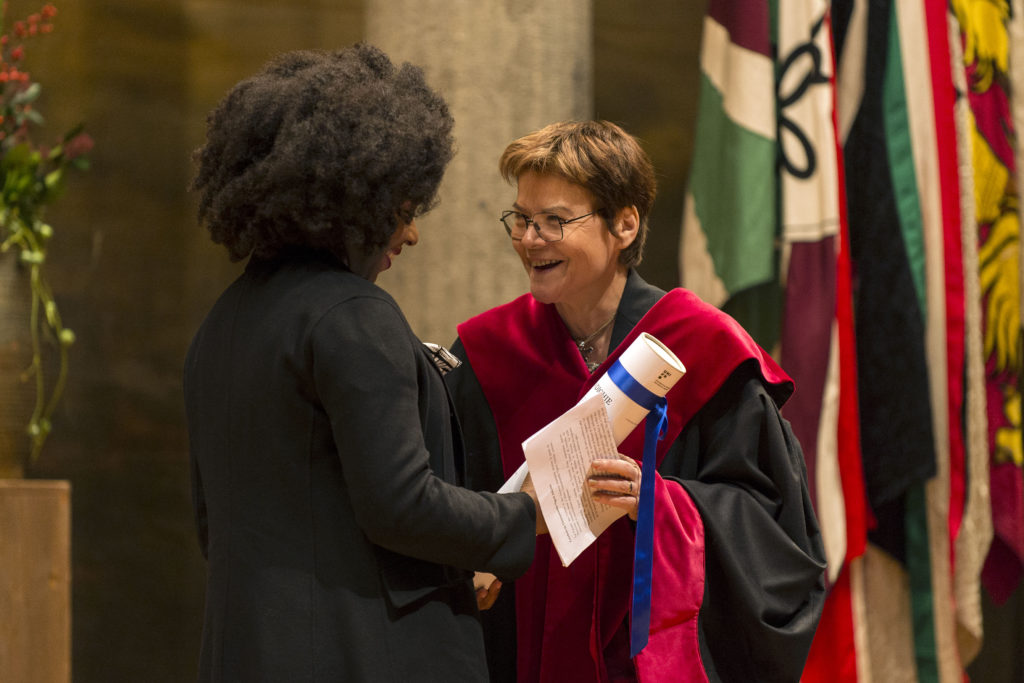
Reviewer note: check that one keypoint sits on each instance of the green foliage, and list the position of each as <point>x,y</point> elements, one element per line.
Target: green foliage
<point>33,178</point>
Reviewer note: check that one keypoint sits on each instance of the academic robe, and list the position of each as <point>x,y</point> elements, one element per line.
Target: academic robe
<point>738,584</point>
<point>324,458</point>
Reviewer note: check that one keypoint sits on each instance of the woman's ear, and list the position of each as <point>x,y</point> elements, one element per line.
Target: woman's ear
<point>627,225</point>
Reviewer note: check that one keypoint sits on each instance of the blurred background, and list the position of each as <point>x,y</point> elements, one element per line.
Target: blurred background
<point>134,275</point>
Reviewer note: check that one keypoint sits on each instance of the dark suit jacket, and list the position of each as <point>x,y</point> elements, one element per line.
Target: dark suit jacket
<point>323,460</point>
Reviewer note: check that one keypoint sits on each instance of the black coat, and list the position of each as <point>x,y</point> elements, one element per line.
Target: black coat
<point>324,460</point>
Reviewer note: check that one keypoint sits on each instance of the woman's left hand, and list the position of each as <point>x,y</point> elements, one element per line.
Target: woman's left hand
<point>487,589</point>
<point>616,483</point>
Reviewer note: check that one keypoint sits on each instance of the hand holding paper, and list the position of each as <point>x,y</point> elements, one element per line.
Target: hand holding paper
<point>616,483</point>
<point>559,455</point>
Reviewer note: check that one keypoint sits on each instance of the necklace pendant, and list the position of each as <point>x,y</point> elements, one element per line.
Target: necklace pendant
<point>585,351</point>
<point>585,347</point>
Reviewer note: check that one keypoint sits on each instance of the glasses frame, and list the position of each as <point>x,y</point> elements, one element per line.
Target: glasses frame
<point>562,222</point>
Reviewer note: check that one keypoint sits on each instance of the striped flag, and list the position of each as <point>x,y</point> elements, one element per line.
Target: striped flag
<point>728,250</point>
<point>935,510</point>
<point>767,172</point>
<point>968,514</point>
<point>817,333</point>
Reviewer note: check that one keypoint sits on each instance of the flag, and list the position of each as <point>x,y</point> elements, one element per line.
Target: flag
<point>985,38</point>
<point>886,220</point>
<point>970,520</point>
<point>816,329</point>
<point>886,240</point>
<point>728,246</point>
<point>879,293</point>
<point>810,221</point>
<point>935,509</point>
<point>767,171</point>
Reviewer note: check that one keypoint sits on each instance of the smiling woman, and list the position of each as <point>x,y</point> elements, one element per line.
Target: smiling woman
<point>729,490</point>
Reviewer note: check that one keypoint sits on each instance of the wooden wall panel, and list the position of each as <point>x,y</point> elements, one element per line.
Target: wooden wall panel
<point>35,581</point>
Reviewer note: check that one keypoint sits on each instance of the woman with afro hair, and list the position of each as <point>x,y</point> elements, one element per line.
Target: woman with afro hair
<point>323,451</point>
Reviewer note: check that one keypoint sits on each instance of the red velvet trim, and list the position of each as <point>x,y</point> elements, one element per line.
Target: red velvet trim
<point>531,372</point>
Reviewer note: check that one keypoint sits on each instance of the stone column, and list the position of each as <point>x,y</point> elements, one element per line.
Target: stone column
<point>506,67</point>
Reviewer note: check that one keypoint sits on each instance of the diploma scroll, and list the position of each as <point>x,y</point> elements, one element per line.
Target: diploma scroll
<point>652,365</point>
<point>560,453</point>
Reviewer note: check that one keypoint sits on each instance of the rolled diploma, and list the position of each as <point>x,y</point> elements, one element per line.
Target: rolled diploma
<point>650,363</point>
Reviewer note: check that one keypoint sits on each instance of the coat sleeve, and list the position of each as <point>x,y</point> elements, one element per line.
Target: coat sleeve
<point>764,591</point>
<point>366,376</point>
<point>484,471</point>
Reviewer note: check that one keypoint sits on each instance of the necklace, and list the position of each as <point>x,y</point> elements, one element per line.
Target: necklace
<point>586,348</point>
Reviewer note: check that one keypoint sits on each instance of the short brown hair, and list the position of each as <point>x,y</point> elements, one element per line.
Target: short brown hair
<point>597,155</point>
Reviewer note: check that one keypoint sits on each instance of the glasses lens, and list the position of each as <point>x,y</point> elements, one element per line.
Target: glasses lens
<point>550,226</point>
<point>515,224</point>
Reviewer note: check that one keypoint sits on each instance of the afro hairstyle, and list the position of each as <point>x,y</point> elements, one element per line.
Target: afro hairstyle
<point>321,150</point>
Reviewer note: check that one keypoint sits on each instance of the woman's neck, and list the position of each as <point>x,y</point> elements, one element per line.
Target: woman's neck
<point>583,316</point>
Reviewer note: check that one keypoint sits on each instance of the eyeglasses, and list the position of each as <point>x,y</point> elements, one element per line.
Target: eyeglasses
<point>549,226</point>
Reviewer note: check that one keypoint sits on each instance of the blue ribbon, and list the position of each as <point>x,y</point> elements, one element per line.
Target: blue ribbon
<point>643,551</point>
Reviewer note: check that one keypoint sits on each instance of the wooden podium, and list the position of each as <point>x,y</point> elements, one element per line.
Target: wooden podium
<point>35,581</point>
